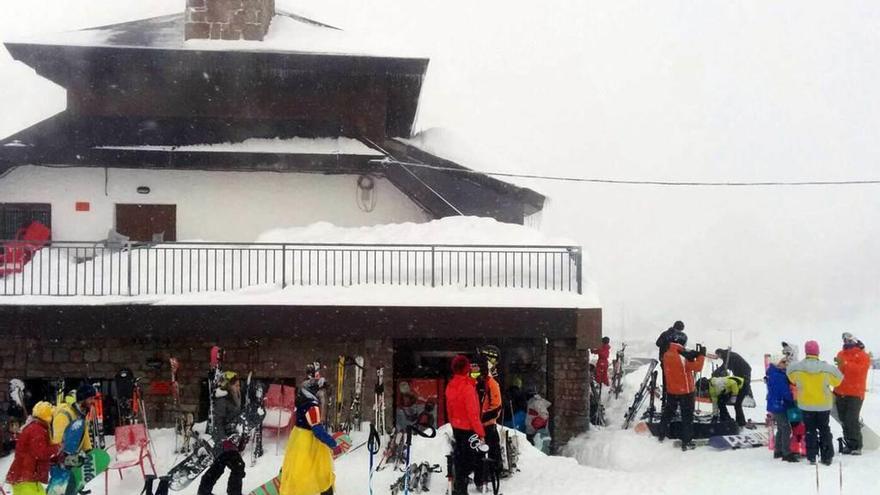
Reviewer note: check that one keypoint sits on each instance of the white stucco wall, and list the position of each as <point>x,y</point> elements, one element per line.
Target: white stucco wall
<point>212,206</point>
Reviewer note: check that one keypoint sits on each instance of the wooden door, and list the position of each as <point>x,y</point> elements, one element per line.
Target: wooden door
<point>141,222</point>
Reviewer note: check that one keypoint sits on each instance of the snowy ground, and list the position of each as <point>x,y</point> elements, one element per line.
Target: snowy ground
<point>611,460</point>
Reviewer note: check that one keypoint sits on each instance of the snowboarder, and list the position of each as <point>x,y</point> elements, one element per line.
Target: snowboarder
<point>463,412</point>
<point>308,459</point>
<point>814,379</point>
<point>721,388</point>
<point>738,366</point>
<point>854,363</point>
<point>490,406</point>
<point>779,401</point>
<point>228,437</point>
<point>33,453</point>
<point>68,414</point>
<point>679,366</point>
<point>604,352</point>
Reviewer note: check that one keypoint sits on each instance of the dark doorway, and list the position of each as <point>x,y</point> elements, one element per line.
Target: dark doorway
<point>147,223</point>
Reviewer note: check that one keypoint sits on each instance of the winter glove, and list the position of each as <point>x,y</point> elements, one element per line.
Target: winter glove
<point>477,443</point>
<point>322,435</point>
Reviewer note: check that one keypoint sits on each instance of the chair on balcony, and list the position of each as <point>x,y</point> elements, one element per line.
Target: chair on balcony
<point>15,254</point>
<point>132,448</point>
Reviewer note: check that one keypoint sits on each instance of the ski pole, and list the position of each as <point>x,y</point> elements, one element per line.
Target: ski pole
<point>373,444</point>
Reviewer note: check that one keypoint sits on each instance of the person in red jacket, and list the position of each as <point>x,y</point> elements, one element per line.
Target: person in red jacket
<point>679,366</point>
<point>33,454</point>
<point>854,363</point>
<point>604,352</point>
<point>463,412</point>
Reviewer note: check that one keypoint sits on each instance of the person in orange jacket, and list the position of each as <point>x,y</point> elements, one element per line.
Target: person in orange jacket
<point>679,366</point>
<point>463,413</point>
<point>489,393</point>
<point>604,352</point>
<point>854,363</point>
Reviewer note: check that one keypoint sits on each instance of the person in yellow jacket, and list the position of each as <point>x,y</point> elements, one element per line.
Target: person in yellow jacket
<point>721,388</point>
<point>814,380</point>
<point>66,413</point>
<point>489,393</point>
<point>308,459</point>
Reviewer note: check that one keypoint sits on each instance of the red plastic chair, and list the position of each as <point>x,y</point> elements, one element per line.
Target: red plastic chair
<point>132,447</point>
<point>15,254</point>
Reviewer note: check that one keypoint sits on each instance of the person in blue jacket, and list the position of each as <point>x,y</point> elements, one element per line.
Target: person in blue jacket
<point>779,401</point>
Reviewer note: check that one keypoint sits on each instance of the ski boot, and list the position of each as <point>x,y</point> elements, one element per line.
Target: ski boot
<point>842,447</point>
<point>688,446</point>
<point>149,479</point>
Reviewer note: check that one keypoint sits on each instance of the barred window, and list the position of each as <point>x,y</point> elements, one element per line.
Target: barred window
<point>14,216</point>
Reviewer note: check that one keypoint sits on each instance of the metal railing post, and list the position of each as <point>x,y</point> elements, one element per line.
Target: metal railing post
<point>283,266</point>
<point>579,269</point>
<point>432,265</point>
<point>128,269</point>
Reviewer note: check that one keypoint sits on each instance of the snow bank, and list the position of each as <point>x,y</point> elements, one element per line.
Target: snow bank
<point>449,230</point>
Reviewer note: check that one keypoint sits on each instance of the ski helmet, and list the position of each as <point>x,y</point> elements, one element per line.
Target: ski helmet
<point>43,411</point>
<point>680,338</point>
<point>228,379</point>
<point>490,352</point>
<point>85,391</point>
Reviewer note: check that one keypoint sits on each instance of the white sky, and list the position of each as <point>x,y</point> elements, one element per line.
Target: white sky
<point>747,90</point>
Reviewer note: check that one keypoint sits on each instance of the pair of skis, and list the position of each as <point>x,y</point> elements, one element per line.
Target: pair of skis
<point>183,421</point>
<point>354,417</point>
<point>641,395</point>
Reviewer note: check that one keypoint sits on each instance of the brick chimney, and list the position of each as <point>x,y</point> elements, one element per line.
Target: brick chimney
<point>228,19</point>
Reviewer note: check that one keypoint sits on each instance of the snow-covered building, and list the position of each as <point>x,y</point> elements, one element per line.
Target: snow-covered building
<point>237,178</point>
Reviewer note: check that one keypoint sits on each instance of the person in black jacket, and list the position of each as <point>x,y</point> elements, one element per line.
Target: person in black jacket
<point>663,345</point>
<point>228,438</point>
<point>737,366</point>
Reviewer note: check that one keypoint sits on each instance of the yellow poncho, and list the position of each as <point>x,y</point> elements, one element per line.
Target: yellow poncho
<point>308,465</point>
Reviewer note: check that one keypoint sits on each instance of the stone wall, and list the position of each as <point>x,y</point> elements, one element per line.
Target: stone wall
<point>568,390</point>
<point>228,19</point>
<point>273,359</point>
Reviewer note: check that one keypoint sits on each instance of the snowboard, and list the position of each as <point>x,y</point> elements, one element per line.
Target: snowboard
<point>94,463</point>
<point>273,486</point>
<point>743,441</point>
<point>870,438</point>
<point>191,467</point>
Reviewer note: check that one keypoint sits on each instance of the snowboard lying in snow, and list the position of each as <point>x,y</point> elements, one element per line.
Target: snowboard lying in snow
<point>750,440</point>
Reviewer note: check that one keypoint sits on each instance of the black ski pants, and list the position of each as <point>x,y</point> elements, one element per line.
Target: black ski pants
<point>465,460</point>
<point>849,410</point>
<point>228,459</point>
<point>493,440</point>
<point>744,392</point>
<point>685,403</point>
<point>819,440</point>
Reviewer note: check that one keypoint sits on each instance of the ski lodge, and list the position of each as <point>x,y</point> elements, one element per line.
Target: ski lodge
<point>246,177</point>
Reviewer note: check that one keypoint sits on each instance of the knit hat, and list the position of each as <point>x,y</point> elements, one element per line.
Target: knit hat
<point>811,348</point>
<point>461,365</point>
<point>678,325</point>
<point>85,391</point>
<point>43,411</point>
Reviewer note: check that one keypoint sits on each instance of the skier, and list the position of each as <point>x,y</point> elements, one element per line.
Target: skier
<point>721,388</point>
<point>854,363</point>
<point>308,459</point>
<point>490,406</point>
<point>738,366</point>
<point>33,453</point>
<point>663,345</point>
<point>604,352</point>
<point>67,414</point>
<point>228,437</point>
<point>814,379</point>
<point>463,412</point>
<point>679,366</point>
<point>779,401</point>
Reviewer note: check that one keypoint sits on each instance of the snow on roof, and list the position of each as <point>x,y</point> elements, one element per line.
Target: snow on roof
<point>294,145</point>
<point>287,33</point>
<point>448,145</point>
